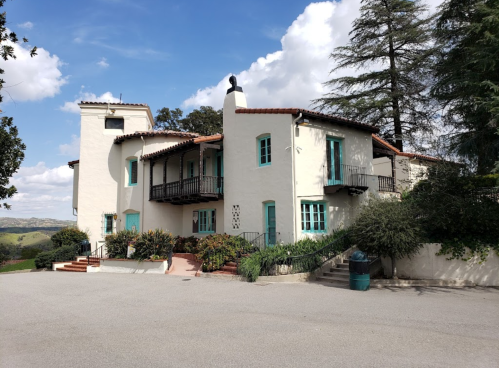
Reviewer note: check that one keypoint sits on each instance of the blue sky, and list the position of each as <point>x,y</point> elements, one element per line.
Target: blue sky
<point>163,53</point>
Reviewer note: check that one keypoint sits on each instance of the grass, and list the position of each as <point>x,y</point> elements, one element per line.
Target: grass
<point>27,239</point>
<point>26,265</point>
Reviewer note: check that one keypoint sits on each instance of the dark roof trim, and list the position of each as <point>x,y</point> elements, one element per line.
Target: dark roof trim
<point>71,164</point>
<point>112,103</point>
<point>182,145</point>
<point>120,139</point>
<point>311,114</point>
<point>406,154</point>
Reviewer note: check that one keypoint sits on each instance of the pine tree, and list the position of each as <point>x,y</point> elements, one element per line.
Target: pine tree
<point>392,40</point>
<point>467,78</point>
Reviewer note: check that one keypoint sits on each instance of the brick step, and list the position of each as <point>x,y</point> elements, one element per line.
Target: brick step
<point>333,279</point>
<point>84,263</point>
<point>79,267</point>
<point>220,272</point>
<point>232,269</point>
<point>231,264</point>
<point>68,269</point>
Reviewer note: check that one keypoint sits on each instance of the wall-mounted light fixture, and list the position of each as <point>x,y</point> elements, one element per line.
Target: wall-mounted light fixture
<point>115,216</point>
<point>113,111</point>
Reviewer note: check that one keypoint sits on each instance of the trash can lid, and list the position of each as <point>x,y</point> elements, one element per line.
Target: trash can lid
<point>358,256</point>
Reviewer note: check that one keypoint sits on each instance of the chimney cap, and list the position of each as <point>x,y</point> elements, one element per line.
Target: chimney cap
<point>235,87</point>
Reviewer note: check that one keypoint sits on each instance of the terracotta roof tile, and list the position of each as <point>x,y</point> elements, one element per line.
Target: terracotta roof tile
<point>154,133</point>
<point>310,113</point>
<point>72,163</point>
<point>198,140</point>
<point>405,154</point>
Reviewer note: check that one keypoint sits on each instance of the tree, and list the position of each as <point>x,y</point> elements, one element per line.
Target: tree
<point>467,78</point>
<point>392,40</point>
<point>387,228</point>
<point>68,236</point>
<point>205,121</point>
<point>11,146</point>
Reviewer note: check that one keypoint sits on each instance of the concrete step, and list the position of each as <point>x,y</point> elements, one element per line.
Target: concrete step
<point>340,271</point>
<point>333,279</point>
<point>339,276</point>
<point>343,265</point>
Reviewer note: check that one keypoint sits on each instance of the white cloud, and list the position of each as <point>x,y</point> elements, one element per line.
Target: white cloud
<point>42,192</point>
<point>294,76</point>
<point>103,63</point>
<point>87,96</point>
<point>71,149</point>
<point>31,78</point>
<point>26,25</point>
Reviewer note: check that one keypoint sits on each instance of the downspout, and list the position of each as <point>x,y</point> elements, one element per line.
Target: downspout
<point>293,173</point>
<point>143,182</point>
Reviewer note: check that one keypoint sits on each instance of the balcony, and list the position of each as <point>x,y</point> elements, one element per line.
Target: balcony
<point>355,180</point>
<point>190,190</point>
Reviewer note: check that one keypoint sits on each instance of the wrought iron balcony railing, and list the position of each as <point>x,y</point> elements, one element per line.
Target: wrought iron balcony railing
<point>196,186</point>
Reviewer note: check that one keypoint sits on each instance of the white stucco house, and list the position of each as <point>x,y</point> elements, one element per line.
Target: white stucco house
<point>282,174</point>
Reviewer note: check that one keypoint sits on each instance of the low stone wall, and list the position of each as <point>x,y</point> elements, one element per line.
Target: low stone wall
<point>133,266</point>
<point>428,266</point>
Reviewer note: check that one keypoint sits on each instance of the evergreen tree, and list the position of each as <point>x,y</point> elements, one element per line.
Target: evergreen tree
<point>392,41</point>
<point>467,78</point>
<point>11,146</point>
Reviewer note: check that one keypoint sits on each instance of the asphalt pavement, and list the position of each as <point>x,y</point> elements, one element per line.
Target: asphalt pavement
<point>62,319</point>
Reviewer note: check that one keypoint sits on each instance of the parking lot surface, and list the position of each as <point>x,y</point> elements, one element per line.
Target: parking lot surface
<point>56,319</point>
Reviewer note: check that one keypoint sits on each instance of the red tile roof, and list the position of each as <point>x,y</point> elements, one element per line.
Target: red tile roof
<point>112,103</point>
<point>311,114</point>
<point>154,133</point>
<point>198,140</point>
<point>71,164</point>
<point>405,154</point>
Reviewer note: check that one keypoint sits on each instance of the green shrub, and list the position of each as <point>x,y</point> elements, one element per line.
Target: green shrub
<point>117,244</point>
<point>387,228</point>
<point>262,262</point>
<point>217,249</point>
<point>29,253</point>
<point>153,243</point>
<point>62,254</point>
<point>68,236</point>
<point>186,245</point>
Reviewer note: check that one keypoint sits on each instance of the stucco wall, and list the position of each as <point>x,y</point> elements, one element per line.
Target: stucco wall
<point>311,163</point>
<point>187,216</point>
<point>248,185</point>
<point>382,166</point>
<point>76,176</point>
<point>427,265</point>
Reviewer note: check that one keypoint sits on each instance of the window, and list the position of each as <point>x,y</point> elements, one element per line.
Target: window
<point>204,166</point>
<point>115,123</point>
<point>313,217</point>
<point>133,174</point>
<point>264,151</point>
<point>334,157</point>
<point>190,169</point>
<point>108,224</point>
<point>206,221</point>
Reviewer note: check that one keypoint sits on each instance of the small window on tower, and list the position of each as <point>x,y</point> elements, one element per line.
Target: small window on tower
<point>115,123</point>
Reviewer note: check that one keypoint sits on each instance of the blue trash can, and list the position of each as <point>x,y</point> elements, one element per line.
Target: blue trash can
<point>359,271</point>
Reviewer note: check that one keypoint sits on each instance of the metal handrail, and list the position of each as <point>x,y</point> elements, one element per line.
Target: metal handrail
<point>312,261</point>
<point>96,254</point>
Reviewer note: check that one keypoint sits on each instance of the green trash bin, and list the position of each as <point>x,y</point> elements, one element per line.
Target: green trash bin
<point>359,271</point>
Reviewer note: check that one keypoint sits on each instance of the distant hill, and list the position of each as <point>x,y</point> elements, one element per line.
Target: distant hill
<point>31,239</point>
<point>38,223</point>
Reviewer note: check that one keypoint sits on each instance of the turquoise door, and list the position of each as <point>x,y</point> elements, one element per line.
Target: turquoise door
<point>334,158</point>
<point>270,222</point>
<point>132,222</point>
<point>219,171</point>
